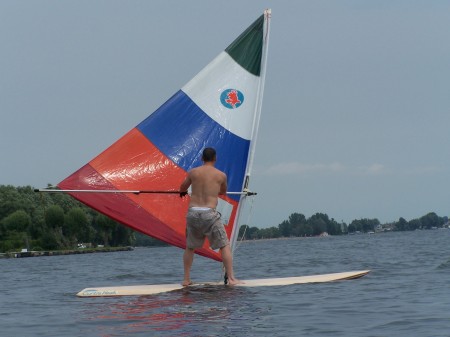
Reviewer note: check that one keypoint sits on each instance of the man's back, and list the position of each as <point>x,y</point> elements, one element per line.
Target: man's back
<point>207,183</point>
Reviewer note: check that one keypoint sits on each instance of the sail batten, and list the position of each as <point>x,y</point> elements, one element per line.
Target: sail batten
<point>141,172</point>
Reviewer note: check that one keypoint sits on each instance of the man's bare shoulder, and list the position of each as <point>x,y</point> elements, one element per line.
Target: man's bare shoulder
<point>218,172</point>
<point>222,174</point>
<point>207,171</point>
<point>193,170</point>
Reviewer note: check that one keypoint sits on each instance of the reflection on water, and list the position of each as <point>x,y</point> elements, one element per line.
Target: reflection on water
<point>177,313</point>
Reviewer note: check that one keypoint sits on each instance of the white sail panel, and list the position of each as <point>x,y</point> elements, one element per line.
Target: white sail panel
<point>207,87</point>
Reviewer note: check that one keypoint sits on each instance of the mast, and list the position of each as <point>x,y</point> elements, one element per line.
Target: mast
<point>255,126</point>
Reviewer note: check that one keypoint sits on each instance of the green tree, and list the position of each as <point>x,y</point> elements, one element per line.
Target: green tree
<point>38,225</point>
<point>122,236</point>
<point>2,231</point>
<point>54,216</point>
<point>143,240</point>
<point>414,224</point>
<point>431,220</point>
<point>319,223</point>
<point>285,229</point>
<point>306,230</point>
<point>243,232</point>
<point>18,221</point>
<point>402,225</point>
<point>76,226</point>
<point>65,201</point>
<point>351,228</point>
<point>50,241</point>
<point>252,233</point>
<point>267,233</point>
<point>333,227</point>
<point>363,225</point>
<point>106,226</point>
<point>10,200</point>
<point>297,222</point>
<point>15,241</point>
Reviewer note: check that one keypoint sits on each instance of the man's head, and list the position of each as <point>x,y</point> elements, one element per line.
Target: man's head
<point>209,155</point>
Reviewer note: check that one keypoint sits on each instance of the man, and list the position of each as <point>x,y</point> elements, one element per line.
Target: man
<point>202,218</point>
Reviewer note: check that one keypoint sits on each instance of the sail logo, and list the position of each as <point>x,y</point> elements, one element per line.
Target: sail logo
<point>232,98</point>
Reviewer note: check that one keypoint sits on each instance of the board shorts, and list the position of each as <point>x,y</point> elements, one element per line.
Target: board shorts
<point>203,223</point>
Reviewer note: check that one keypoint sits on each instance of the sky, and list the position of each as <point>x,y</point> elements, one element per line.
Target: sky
<point>355,119</point>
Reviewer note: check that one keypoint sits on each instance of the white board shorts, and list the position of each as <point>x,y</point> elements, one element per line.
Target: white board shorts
<point>203,223</point>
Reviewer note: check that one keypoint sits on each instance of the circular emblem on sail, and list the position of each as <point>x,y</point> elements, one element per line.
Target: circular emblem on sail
<point>232,98</point>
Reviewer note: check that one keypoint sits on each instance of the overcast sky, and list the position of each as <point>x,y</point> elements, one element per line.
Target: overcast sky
<point>355,119</point>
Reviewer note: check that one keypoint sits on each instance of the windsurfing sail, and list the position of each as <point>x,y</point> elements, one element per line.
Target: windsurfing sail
<point>220,107</point>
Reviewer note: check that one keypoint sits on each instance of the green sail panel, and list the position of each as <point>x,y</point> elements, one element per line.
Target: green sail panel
<point>247,48</point>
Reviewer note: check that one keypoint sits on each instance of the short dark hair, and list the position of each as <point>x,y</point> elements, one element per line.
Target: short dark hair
<point>209,154</point>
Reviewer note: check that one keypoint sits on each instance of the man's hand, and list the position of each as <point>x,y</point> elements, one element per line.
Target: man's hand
<point>183,194</point>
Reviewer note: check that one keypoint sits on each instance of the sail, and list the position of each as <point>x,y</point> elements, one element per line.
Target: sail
<point>219,108</point>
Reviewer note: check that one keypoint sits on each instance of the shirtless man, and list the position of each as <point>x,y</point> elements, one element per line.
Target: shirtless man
<point>202,218</point>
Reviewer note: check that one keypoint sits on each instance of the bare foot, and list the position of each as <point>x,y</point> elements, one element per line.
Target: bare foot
<point>234,281</point>
<point>187,283</point>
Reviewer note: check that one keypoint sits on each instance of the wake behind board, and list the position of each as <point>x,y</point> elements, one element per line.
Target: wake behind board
<point>140,290</point>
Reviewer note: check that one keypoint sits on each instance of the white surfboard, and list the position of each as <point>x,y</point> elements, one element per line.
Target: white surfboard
<point>139,290</point>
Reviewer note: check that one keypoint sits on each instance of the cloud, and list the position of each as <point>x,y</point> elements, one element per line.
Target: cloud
<point>301,168</point>
<point>374,169</point>
<point>297,168</point>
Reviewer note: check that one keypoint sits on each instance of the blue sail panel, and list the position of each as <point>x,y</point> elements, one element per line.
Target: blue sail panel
<point>181,130</point>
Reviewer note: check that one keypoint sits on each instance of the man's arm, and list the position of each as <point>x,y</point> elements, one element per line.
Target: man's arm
<point>223,186</point>
<point>185,185</point>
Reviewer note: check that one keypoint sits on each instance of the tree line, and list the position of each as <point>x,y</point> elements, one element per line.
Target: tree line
<point>318,224</point>
<point>56,221</point>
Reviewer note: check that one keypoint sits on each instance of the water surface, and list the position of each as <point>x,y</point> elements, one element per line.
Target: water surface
<point>406,294</point>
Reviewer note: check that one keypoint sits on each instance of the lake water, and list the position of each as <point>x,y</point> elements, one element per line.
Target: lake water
<point>406,294</point>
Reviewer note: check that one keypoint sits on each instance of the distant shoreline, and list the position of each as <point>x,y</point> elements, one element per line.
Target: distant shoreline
<point>64,252</point>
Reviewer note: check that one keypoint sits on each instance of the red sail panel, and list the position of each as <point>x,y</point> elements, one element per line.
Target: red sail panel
<point>134,163</point>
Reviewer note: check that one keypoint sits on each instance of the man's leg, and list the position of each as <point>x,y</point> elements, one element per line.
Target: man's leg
<point>227,259</point>
<point>188,258</point>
